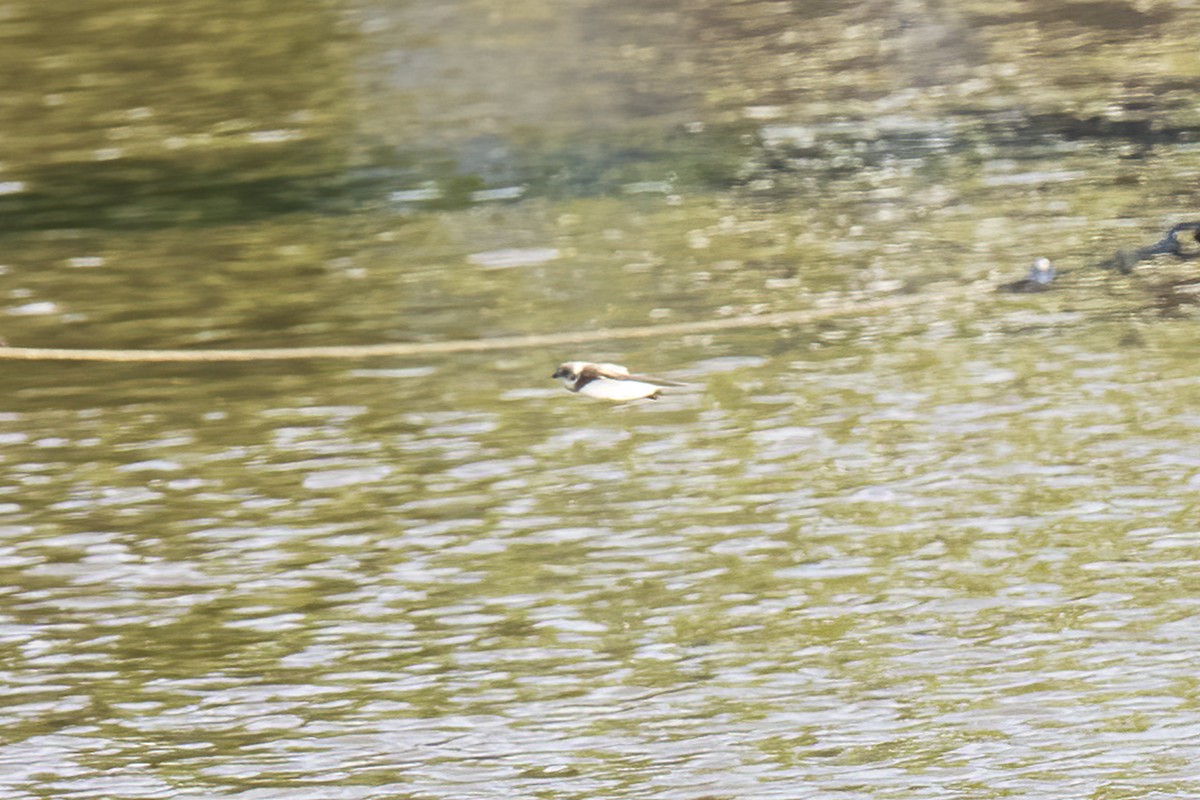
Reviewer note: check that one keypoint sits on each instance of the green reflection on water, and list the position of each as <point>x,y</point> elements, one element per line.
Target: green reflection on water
<point>157,113</point>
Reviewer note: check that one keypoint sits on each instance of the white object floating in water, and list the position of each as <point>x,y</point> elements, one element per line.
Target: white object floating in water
<point>416,195</point>
<point>273,136</point>
<point>34,309</point>
<point>502,193</point>
<point>514,257</point>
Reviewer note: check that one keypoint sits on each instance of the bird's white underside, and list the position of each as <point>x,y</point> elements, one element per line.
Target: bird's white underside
<point>608,389</point>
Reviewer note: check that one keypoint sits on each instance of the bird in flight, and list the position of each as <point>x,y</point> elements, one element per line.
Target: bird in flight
<point>609,381</point>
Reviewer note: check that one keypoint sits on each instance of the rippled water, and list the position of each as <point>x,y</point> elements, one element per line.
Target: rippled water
<point>945,566</point>
<point>942,551</point>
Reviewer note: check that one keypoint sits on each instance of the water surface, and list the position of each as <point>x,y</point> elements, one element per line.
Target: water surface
<point>946,551</point>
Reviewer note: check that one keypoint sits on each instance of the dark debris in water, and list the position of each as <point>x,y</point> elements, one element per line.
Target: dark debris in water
<point>1042,273</point>
<point>1125,260</point>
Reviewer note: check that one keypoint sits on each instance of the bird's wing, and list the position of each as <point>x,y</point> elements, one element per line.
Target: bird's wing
<point>652,379</point>
<point>616,372</point>
<point>587,374</point>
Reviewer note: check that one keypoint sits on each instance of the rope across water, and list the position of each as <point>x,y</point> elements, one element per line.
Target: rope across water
<point>519,342</point>
<point>1123,261</point>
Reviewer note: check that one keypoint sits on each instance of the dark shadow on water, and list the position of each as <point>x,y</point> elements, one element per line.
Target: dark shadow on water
<point>127,194</point>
